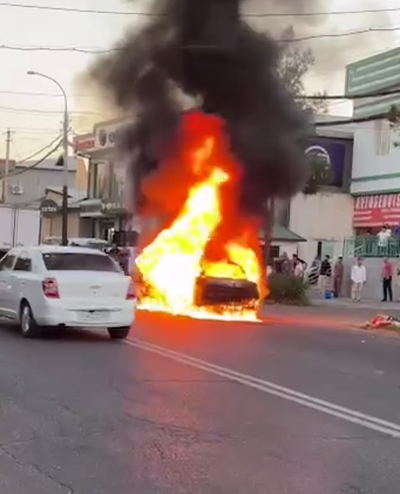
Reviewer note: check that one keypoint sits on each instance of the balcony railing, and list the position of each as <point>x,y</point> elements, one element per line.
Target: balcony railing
<point>371,246</point>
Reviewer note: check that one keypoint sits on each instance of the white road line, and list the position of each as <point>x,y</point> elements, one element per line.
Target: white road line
<point>368,421</point>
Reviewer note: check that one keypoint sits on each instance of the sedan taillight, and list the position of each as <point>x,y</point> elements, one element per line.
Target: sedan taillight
<point>50,288</point>
<point>131,295</point>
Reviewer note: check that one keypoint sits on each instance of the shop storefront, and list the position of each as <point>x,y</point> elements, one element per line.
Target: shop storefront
<point>105,203</point>
<point>373,211</point>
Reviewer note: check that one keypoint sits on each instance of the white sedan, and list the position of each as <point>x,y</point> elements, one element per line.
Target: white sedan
<point>53,286</point>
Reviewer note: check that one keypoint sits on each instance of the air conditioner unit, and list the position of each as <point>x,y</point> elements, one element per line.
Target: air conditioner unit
<point>17,190</point>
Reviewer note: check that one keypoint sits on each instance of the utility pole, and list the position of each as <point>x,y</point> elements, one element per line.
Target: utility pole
<point>7,166</point>
<point>64,232</point>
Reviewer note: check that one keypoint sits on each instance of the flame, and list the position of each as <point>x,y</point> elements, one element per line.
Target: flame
<point>207,236</point>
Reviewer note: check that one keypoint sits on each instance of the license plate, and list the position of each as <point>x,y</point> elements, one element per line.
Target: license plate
<point>92,316</point>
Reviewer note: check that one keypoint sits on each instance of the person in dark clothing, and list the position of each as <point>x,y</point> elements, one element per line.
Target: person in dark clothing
<point>338,277</point>
<point>387,277</point>
<point>324,274</point>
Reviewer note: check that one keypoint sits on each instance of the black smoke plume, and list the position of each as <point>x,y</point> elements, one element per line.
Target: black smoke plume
<point>204,49</point>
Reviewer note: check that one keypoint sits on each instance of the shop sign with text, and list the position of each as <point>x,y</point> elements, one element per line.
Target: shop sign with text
<point>376,210</point>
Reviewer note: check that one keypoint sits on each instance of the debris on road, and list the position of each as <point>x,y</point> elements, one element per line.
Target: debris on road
<point>382,321</point>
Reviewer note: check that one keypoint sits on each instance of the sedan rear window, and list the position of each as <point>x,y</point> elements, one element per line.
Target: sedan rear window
<point>56,261</point>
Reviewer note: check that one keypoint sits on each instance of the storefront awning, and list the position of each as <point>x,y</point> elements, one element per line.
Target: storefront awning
<point>283,234</point>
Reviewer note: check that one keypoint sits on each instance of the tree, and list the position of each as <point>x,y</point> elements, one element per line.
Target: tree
<point>294,63</point>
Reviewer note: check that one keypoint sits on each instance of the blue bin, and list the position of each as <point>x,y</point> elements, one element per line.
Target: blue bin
<point>329,295</point>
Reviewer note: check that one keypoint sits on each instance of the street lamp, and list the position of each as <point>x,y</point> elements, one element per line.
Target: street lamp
<point>64,234</point>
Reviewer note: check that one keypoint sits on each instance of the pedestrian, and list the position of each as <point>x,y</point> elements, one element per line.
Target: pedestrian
<point>286,267</point>
<point>387,279</point>
<point>338,277</point>
<point>324,274</point>
<point>313,275</point>
<point>298,269</point>
<point>358,280</point>
<point>397,279</point>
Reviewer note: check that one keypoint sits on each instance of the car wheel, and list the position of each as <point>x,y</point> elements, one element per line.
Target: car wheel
<point>28,326</point>
<point>118,333</point>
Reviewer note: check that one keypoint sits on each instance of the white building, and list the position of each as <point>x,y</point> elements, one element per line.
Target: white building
<point>325,219</point>
<point>375,181</point>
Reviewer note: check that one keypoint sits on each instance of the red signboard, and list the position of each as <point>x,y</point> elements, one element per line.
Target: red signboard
<point>84,143</point>
<point>376,210</point>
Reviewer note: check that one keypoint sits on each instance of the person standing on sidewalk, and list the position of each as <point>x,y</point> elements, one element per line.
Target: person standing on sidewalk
<point>387,280</point>
<point>338,277</point>
<point>324,274</point>
<point>358,280</point>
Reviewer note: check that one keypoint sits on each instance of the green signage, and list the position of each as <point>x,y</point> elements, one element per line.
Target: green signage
<point>374,74</point>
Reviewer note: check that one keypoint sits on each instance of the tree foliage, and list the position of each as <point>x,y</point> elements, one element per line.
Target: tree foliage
<point>294,64</point>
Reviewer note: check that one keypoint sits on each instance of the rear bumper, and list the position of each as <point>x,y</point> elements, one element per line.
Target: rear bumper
<point>55,313</point>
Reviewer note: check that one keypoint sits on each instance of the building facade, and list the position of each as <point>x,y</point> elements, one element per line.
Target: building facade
<point>51,224</point>
<point>375,180</point>
<point>104,206</point>
<point>26,183</point>
<point>324,219</point>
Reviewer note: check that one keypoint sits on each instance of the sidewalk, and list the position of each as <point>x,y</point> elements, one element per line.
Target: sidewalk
<point>393,308</point>
<point>334,313</point>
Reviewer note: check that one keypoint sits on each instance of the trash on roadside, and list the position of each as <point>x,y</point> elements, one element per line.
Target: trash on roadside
<point>384,322</point>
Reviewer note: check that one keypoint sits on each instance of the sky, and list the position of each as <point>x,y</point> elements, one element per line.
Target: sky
<point>32,107</point>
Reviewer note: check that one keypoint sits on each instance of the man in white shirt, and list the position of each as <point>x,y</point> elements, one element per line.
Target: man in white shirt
<point>384,235</point>
<point>358,279</point>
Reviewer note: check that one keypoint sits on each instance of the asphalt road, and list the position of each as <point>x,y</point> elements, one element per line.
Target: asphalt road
<point>81,414</point>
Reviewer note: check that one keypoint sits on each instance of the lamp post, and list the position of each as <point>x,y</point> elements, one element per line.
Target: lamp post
<point>64,234</point>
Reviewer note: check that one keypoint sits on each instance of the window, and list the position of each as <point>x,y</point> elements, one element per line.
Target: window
<point>56,261</point>
<point>7,263</point>
<point>24,263</point>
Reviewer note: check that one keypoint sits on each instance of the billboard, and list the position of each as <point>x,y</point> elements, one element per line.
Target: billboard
<point>335,152</point>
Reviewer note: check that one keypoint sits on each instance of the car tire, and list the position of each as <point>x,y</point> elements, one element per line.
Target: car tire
<point>28,325</point>
<point>119,333</point>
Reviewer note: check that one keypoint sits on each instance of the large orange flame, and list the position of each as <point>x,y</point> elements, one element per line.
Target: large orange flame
<point>205,234</point>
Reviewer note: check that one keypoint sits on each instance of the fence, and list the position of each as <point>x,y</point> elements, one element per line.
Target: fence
<point>370,246</point>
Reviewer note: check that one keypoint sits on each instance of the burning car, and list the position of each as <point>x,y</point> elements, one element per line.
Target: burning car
<point>225,292</point>
<point>209,168</point>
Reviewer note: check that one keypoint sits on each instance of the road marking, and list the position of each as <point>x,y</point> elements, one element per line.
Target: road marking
<point>368,421</point>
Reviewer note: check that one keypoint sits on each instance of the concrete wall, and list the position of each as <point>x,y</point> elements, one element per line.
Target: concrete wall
<point>34,183</point>
<point>376,159</point>
<point>324,217</point>
<point>373,287</point>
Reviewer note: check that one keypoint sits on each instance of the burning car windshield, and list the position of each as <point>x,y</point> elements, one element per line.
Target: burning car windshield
<point>55,261</point>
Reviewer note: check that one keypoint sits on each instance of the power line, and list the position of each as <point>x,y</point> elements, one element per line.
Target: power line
<point>34,130</point>
<point>103,51</point>
<point>150,14</point>
<point>36,164</point>
<point>45,112</point>
<point>33,155</point>
<point>333,97</point>
<point>354,120</point>
<point>49,95</point>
